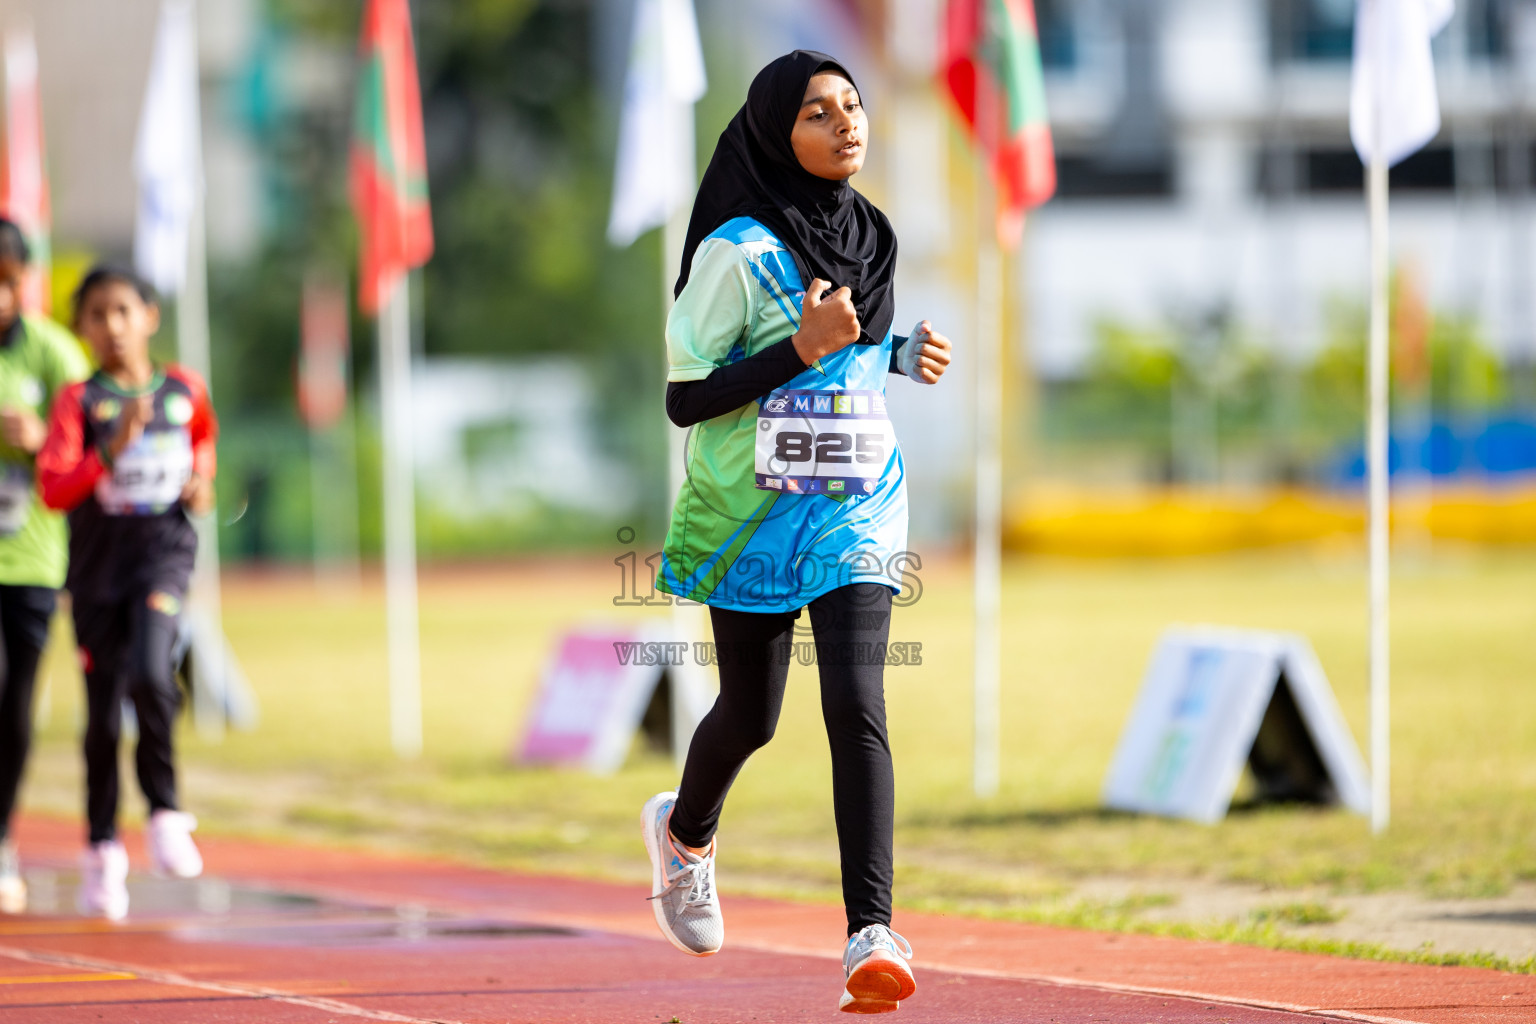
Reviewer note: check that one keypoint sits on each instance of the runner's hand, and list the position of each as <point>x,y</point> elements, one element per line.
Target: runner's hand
<point>197,495</point>
<point>21,428</point>
<point>826,324</point>
<point>926,355</point>
<point>137,413</point>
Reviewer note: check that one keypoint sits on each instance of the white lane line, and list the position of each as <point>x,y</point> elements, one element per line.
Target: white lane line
<point>648,931</point>
<point>385,898</point>
<point>221,987</point>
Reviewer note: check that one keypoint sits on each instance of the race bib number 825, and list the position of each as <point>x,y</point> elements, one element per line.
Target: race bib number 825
<point>823,442</point>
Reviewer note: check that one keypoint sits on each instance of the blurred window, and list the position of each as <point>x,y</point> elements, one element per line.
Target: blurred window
<point>1485,22</point>
<point>1323,30</point>
<point>1322,171</point>
<point>1085,177</point>
<point>1514,166</point>
<point>1057,34</point>
<point>1311,30</point>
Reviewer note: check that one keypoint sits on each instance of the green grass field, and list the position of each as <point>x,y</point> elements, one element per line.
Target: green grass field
<point>1077,636</point>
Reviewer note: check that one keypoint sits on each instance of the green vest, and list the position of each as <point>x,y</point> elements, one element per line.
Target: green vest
<point>41,360</point>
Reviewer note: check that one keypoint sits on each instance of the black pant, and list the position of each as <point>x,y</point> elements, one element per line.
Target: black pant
<point>24,616</point>
<point>754,650</point>
<point>127,649</point>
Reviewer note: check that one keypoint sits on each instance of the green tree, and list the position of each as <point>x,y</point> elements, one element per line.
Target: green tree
<point>519,171</point>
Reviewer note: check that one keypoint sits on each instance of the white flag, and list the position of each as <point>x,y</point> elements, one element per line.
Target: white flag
<point>168,160</point>
<point>655,173</point>
<point>1392,100</point>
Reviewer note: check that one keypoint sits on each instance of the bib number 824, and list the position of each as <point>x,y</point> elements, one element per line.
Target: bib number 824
<point>830,448</point>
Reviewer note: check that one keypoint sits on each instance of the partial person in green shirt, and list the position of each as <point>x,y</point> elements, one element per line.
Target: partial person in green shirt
<point>38,359</point>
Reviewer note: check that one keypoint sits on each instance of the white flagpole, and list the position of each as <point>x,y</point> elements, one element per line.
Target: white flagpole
<point>989,515</point>
<point>654,176</point>
<point>1393,111</point>
<point>400,522</point>
<point>987,553</point>
<point>333,482</point>
<point>194,351</point>
<point>688,620</point>
<point>1377,472</point>
<point>986,569</point>
<point>326,335</point>
<point>170,247</point>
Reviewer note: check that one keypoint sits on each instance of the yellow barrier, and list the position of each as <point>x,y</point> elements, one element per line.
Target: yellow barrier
<point>1061,519</point>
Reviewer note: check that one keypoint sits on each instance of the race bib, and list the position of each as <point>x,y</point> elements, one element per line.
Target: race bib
<point>148,477</point>
<point>823,442</point>
<point>15,498</point>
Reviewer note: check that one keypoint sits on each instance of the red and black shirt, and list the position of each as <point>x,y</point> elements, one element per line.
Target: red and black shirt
<point>127,527</point>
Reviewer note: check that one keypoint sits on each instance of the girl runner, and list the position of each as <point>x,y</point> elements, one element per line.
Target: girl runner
<point>130,454</point>
<point>778,350</point>
<point>38,359</point>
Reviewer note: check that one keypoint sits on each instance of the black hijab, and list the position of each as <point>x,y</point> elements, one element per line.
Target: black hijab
<point>833,232</point>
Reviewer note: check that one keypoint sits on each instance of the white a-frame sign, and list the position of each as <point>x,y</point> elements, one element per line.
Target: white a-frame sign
<point>604,683</point>
<point>1214,700</point>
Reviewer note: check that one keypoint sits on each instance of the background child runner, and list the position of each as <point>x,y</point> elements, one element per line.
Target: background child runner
<point>130,453</point>
<point>779,347</point>
<point>38,358</point>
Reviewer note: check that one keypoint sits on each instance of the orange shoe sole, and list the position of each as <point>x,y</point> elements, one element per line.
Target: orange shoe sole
<point>878,985</point>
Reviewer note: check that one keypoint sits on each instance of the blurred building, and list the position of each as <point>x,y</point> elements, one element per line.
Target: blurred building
<point>1205,165</point>
<point>1207,185</point>
<point>93,60</point>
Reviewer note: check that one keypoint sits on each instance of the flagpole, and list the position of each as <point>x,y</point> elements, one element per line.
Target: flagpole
<point>333,482</point>
<point>989,500</point>
<point>326,404</point>
<point>1393,111</point>
<point>400,522</point>
<point>1377,473</point>
<point>1377,467</point>
<point>687,618</point>
<point>655,172</point>
<point>333,507</point>
<point>194,351</point>
<point>987,551</point>
<point>674,236</point>
<point>999,92</point>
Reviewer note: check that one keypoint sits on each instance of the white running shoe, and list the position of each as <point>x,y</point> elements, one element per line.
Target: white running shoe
<point>13,889</point>
<point>682,884</point>
<point>171,849</point>
<point>104,887</point>
<point>875,965</point>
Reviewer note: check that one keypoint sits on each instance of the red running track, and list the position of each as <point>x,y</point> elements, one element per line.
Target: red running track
<point>277,934</point>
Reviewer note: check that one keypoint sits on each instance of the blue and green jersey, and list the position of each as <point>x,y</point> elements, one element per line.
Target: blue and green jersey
<point>730,544</point>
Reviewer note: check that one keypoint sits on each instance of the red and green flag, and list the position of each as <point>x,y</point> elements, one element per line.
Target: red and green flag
<point>389,162</point>
<point>990,64</point>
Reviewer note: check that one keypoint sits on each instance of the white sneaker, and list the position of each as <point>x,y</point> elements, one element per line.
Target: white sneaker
<point>875,966</point>
<point>13,890</point>
<point>682,884</point>
<point>104,887</point>
<point>171,849</point>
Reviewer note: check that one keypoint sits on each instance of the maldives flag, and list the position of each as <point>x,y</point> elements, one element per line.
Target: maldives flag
<point>991,67</point>
<point>25,198</point>
<point>389,163</point>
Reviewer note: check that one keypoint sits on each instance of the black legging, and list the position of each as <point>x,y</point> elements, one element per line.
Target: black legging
<point>127,647</point>
<point>850,626</point>
<point>24,616</point>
